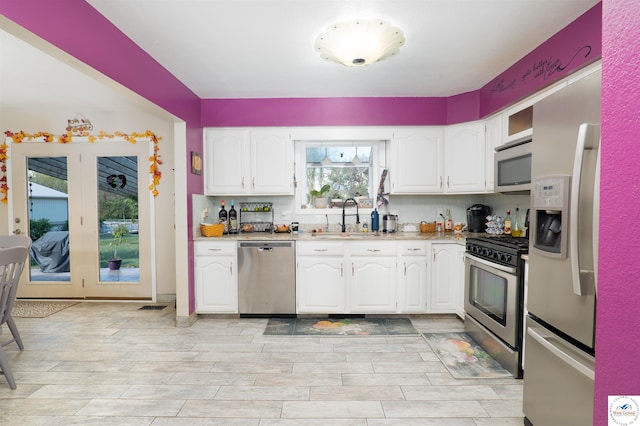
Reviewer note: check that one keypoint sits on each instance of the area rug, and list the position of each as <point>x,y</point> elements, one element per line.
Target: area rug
<point>340,327</point>
<point>463,357</point>
<point>37,309</point>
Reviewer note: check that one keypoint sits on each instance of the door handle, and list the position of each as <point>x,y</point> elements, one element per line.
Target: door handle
<point>547,344</point>
<point>588,139</point>
<point>265,249</point>
<point>17,232</point>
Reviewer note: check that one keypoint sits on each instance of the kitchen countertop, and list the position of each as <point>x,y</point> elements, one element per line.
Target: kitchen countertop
<point>349,236</point>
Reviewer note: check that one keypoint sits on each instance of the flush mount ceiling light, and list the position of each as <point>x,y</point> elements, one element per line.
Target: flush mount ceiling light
<point>359,43</point>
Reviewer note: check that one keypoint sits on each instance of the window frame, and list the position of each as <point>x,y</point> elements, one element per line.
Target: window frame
<point>377,165</point>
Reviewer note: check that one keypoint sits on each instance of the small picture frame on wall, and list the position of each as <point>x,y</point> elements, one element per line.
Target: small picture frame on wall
<point>196,163</point>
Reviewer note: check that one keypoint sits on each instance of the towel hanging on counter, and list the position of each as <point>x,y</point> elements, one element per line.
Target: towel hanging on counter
<point>381,197</point>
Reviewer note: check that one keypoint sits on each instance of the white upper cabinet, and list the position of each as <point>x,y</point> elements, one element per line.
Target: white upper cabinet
<point>416,155</point>
<point>493,136</point>
<point>465,158</point>
<point>271,162</point>
<point>437,160</point>
<point>248,161</point>
<point>226,161</point>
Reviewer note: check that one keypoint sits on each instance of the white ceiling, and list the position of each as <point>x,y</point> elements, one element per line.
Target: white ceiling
<point>264,48</point>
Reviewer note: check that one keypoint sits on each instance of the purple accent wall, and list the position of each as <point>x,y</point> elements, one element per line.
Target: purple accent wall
<point>323,112</point>
<point>573,47</point>
<point>463,107</point>
<point>618,323</point>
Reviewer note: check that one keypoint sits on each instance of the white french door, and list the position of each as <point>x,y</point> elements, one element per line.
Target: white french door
<point>75,200</point>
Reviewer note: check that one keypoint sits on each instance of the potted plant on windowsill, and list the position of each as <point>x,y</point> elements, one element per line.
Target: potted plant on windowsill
<point>118,233</point>
<point>319,198</point>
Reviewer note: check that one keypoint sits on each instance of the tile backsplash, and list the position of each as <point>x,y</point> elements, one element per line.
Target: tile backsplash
<point>411,209</point>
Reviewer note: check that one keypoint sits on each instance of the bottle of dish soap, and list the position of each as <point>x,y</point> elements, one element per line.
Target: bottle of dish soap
<point>375,221</point>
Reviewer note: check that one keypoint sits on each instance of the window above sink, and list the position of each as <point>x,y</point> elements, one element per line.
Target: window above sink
<point>333,171</point>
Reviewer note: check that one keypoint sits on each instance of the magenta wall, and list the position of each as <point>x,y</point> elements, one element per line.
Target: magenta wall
<point>575,46</point>
<point>618,320</point>
<point>323,112</point>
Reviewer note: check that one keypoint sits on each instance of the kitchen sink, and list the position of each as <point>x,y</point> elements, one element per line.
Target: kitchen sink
<point>351,235</point>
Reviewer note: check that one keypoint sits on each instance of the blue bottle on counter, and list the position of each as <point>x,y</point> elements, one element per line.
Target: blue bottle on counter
<point>375,221</point>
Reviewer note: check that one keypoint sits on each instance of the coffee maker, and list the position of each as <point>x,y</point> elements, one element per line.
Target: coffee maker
<point>477,217</point>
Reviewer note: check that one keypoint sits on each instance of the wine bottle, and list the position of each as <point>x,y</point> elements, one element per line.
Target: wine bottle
<point>233,219</point>
<point>448,221</point>
<point>516,229</point>
<point>507,223</point>
<point>223,217</point>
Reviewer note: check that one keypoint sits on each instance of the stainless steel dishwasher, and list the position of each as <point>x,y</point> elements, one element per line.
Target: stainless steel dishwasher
<point>266,277</point>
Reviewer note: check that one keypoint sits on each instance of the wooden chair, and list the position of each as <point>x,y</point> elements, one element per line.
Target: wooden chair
<point>7,241</point>
<point>12,262</point>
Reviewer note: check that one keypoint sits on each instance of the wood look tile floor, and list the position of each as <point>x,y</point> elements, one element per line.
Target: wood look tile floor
<point>113,364</point>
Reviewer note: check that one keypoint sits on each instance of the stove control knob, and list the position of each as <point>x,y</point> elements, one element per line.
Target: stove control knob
<point>507,258</point>
<point>496,256</point>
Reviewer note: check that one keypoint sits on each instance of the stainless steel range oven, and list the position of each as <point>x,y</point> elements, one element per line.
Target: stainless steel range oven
<point>493,299</point>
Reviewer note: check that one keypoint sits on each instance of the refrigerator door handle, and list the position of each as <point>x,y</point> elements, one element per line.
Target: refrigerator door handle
<point>566,358</point>
<point>588,139</point>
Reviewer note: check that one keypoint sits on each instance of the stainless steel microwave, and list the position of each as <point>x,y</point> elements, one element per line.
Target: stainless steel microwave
<point>513,167</point>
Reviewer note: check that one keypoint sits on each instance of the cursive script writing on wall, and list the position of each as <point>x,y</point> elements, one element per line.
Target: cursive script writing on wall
<point>541,69</point>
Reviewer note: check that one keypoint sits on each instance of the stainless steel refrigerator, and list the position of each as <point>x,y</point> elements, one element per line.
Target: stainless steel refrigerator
<point>559,350</point>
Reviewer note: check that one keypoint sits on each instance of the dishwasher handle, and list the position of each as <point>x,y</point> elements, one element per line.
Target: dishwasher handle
<point>266,244</point>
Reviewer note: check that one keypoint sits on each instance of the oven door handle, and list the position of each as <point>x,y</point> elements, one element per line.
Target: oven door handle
<point>503,268</point>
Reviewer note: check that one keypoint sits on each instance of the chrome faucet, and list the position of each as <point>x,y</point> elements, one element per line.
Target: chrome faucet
<point>344,226</point>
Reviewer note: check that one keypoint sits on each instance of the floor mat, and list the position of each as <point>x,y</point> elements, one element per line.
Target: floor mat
<point>463,357</point>
<point>37,309</point>
<point>340,327</point>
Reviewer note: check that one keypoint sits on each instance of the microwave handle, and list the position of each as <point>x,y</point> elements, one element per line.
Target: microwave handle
<point>587,140</point>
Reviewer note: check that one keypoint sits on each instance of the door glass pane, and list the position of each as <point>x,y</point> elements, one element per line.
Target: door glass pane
<point>118,218</point>
<point>48,216</point>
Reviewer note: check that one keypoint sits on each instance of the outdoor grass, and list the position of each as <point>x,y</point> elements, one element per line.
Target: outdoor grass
<point>128,251</point>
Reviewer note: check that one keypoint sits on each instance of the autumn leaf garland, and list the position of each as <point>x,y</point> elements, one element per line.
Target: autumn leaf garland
<point>18,137</point>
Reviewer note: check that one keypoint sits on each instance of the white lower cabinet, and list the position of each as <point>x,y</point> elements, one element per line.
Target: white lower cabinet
<point>379,277</point>
<point>216,277</point>
<point>413,278</point>
<point>447,278</point>
<point>372,283</point>
<point>320,278</point>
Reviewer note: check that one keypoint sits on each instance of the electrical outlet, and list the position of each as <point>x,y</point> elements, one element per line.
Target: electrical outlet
<point>205,213</point>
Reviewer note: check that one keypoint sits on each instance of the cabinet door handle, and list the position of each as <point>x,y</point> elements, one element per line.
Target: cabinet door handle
<point>434,255</point>
<point>253,182</point>
<point>440,181</point>
<point>242,182</point>
<point>448,177</point>
<point>353,270</point>
<point>405,269</point>
<point>320,250</point>
<point>373,250</point>
<point>413,249</point>
<point>341,269</point>
<point>231,268</point>
<point>214,249</point>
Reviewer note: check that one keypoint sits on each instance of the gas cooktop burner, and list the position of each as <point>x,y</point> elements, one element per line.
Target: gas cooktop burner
<point>503,249</point>
<point>507,241</point>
